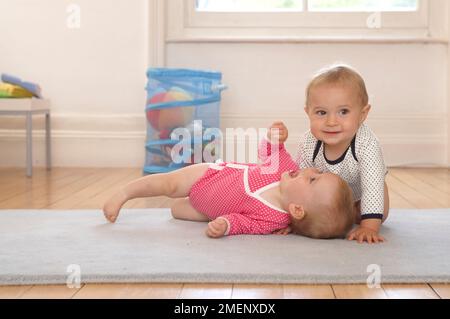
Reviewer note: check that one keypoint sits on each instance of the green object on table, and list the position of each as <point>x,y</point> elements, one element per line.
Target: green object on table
<point>13,91</point>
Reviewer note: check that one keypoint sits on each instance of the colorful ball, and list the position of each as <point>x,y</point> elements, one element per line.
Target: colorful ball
<point>170,118</point>
<point>153,115</point>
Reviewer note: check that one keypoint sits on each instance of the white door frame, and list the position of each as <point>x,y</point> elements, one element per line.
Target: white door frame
<point>156,33</point>
<point>448,89</point>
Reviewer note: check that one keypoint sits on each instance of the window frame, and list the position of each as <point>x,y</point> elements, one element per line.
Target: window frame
<point>185,23</point>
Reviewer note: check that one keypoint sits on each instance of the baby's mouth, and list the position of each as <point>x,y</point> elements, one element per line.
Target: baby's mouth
<point>332,133</point>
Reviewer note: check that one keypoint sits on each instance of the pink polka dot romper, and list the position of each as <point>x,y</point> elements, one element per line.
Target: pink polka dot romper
<point>232,191</point>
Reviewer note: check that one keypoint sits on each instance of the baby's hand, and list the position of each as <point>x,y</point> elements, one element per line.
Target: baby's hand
<point>217,228</point>
<point>278,133</point>
<point>362,234</point>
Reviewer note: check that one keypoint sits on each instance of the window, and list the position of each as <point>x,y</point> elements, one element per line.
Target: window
<point>311,5</point>
<point>363,5</point>
<point>249,5</point>
<point>306,20</point>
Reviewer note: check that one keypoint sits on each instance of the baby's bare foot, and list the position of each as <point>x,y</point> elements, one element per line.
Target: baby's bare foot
<point>111,208</point>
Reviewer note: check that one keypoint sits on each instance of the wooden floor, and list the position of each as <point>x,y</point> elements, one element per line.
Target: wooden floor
<point>89,188</point>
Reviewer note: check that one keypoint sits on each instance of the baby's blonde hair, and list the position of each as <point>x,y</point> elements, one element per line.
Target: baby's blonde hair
<point>340,74</point>
<point>334,220</point>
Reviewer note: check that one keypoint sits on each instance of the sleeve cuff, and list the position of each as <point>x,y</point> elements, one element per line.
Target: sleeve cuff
<point>372,216</point>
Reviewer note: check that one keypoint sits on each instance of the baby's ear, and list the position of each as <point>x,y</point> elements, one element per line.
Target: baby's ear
<point>365,112</point>
<point>297,211</point>
<point>306,109</point>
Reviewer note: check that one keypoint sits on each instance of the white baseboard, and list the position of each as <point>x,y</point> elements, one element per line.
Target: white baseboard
<point>118,140</point>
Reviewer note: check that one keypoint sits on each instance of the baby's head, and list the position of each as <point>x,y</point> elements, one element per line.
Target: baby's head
<point>320,205</point>
<point>337,104</point>
<point>340,75</point>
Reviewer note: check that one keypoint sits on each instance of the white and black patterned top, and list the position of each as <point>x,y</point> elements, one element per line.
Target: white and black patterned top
<point>361,166</point>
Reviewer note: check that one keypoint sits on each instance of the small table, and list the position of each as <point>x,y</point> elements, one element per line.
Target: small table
<point>28,108</point>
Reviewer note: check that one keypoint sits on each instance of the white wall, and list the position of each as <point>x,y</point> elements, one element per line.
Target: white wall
<point>95,77</point>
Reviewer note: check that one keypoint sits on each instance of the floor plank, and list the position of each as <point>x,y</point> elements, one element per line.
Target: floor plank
<point>40,197</point>
<point>129,291</point>
<point>100,198</point>
<point>443,290</point>
<point>438,180</point>
<point>14,186</point>
<point>13,292</point>
<point>245,291</point>
<point>440,173</point>
<point>412,195</point>
<point>358,292</point>
<point>436,195</point>
<point>308,292</point>
<point>50,292</point>
<point>206,291</point>
<point>397,201</point>
<point>409,291</point>
<point>100,182</point>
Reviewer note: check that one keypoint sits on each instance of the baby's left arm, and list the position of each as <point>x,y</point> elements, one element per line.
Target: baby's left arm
<point>373,172</point>
<point>274,142</point>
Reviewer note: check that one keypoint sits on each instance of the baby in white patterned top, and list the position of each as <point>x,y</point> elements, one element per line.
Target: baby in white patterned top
<point>339,142</point>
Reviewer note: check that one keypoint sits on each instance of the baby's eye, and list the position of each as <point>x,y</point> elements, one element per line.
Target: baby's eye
<point>344,112</point>
<point>312,180</point>
<point>321,113</point>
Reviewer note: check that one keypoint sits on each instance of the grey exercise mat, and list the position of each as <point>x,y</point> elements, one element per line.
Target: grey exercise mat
<point>145,246</point>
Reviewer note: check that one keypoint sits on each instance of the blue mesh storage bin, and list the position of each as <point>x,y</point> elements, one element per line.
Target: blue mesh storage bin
<point>183,108</point>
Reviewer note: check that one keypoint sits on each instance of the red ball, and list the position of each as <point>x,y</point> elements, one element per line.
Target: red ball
<point>170,118</point>
<point>153,115</point>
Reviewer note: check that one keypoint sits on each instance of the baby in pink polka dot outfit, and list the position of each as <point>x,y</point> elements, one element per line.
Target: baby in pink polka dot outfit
<point>251,199</point>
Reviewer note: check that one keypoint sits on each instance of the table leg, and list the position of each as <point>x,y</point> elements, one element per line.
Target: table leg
<point>29,144</point>
<point>48,140</point>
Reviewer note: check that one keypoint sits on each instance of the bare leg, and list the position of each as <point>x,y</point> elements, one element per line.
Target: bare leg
<point>357,207</point>
<point>182,209</point>
<point>175,185</point>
